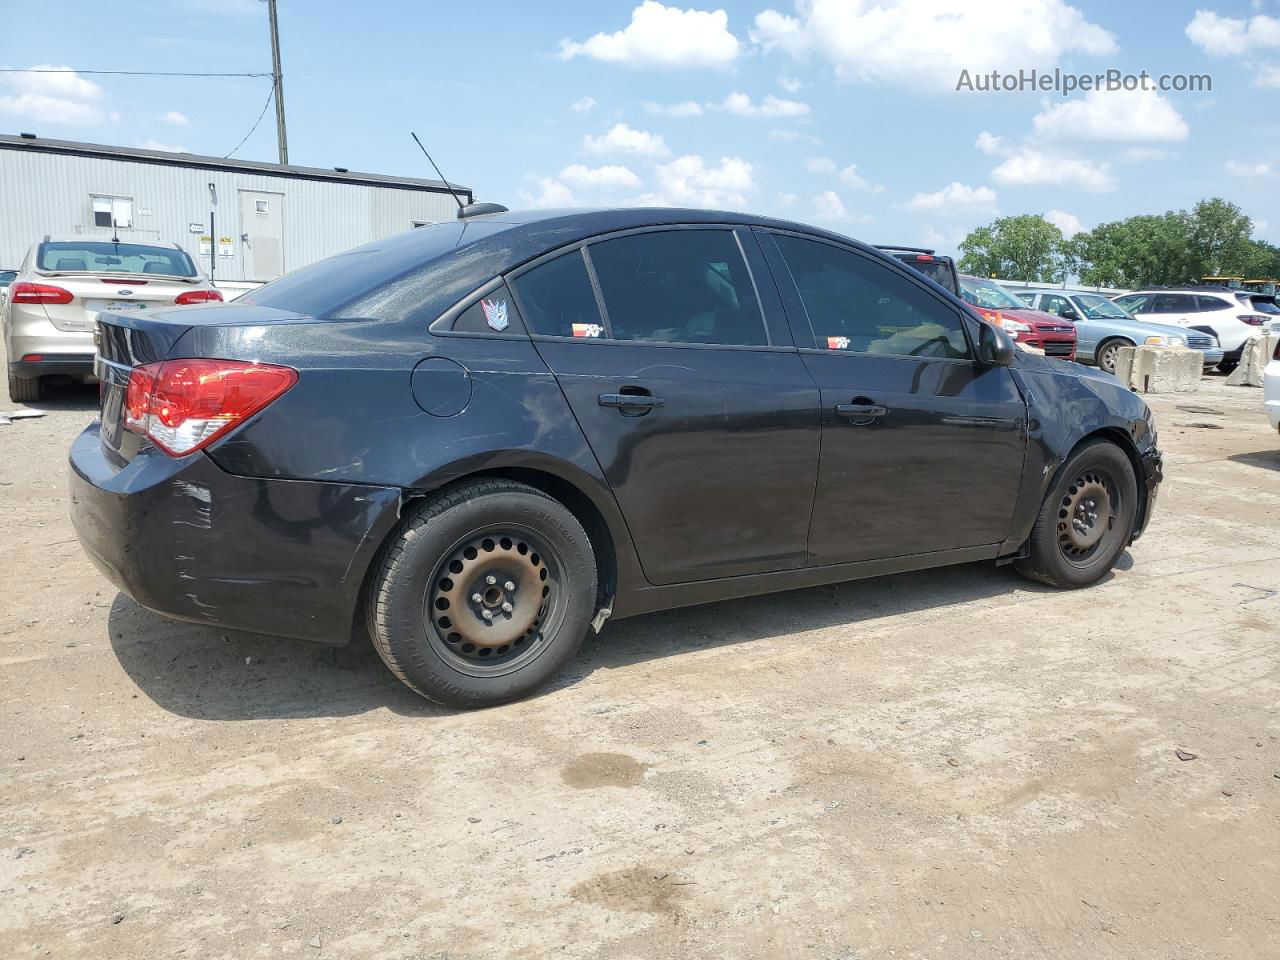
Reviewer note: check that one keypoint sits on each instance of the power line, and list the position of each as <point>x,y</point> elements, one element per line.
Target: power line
<point>270,94</point>
<point>128,73</point>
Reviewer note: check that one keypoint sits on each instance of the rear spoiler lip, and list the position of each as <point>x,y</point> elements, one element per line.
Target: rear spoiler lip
<point>123,277</point>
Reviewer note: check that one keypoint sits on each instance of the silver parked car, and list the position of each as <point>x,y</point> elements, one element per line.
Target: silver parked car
<point>51,307</point>
<point>1103,327</point>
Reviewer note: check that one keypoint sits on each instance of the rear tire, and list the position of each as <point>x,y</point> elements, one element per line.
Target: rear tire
<point>484,594</point>
<point>1107,353</point>
<point>1226,366</point>
<point>1086,519</point>
<point>24,391</point>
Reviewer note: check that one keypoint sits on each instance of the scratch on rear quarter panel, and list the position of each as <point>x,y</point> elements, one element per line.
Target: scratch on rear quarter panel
<point>202,516</point>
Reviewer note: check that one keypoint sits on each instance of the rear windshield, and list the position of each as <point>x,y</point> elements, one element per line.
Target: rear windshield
<point>75,256</point>
<point>937,270</point>
<point>1265,305</point>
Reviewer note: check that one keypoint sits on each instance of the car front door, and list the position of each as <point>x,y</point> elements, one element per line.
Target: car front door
<point>675,358</point>
<point>1086,330</point>
<point>922,446</point>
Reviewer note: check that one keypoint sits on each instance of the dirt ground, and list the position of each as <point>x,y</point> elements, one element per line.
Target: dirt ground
<point>953,764</point>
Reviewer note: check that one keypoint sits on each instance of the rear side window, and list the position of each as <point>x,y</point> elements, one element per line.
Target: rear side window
<point>557,300</point>
<point>1173,303</point>
<point>1208,304</point>
<point>679,286</point>
<point>493,313</point>
<point>857,305</point>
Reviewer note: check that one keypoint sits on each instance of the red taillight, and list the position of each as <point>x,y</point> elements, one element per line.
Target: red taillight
<point>1252,319</point>
<point>198,296</point>
<point>38,293</point>
<point>184,405</point>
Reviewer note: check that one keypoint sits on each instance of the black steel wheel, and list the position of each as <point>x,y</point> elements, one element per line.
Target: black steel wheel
<point>1086,519</point>
<point>485,592</point>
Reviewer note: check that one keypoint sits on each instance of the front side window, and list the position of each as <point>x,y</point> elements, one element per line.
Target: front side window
<point>1055,305</point>
<point>557,299</point>
<point>1172,303</point>
<point>112,211</point>
<point>91,256</point>
<point>678,286</point>
<point>858,305</point>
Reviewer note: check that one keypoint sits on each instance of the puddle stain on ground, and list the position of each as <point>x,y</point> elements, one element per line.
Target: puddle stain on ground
<point>637,890</point>
<point>592,770</point>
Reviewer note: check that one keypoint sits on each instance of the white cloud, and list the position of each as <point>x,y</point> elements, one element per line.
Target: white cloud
<point>770,106</point>
<point>688,181</point>
<point>661,36</point>
<point>786,199</point>
<point>850,177</point>
<point>1028,166</point>
<point>955,200</point>
<point>926,43</point>
<point>176,118</point>
<point>1237,169</point>
<point>828,206</point>
<point>157,145</point>
<point>1122,115</point>
<point>64,98</point>
<point>686,108</point>
<point>1227,37</point>
<point>550,193</point>
<point>623,139</point>
<point>990,144</point>
<point>789,84</point>
<point>820,165</point>
<point>791,135</point>
<point>583,105</point>
<point>1142,154</point>
<point>1268,75</point>
<point>1068,223</point>
<point>606,176</point>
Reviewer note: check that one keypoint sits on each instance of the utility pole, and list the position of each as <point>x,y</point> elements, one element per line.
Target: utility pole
<point>278,79</point>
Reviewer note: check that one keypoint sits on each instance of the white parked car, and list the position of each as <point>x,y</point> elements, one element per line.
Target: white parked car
<point>1214,310</point>
<point>1271,389</point>
<point>53,302</point>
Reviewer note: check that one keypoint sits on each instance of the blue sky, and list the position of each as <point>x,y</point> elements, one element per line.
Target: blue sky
<point>839,112</point>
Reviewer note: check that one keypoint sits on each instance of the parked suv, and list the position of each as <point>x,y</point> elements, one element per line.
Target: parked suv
<point>1212,310</point>
<point>939,268</point>
<point>1103,327</point>
<point>995,304</point>
<point>64,282</point>
<point>482,439</point>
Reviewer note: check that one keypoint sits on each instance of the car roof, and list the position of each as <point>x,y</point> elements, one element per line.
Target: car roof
<point>103,238</point>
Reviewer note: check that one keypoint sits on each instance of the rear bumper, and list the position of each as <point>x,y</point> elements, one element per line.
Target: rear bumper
<point>186,539</point>
<point>62,353</point>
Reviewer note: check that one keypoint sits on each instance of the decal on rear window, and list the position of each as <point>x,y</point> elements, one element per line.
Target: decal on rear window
<point>495,313</point>
<point>837,343</point>
<point>587,329</point>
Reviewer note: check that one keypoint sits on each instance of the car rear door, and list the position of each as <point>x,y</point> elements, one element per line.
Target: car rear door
<point>922,447</point>
<point>674,357</point>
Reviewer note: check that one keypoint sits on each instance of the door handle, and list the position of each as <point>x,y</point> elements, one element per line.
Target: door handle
<point>633,400</point>
<point>860,412</point>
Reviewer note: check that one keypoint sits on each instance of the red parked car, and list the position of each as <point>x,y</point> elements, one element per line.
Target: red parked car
<point>1053,335</point>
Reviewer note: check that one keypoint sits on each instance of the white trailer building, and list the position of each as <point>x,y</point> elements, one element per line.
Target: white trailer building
<point>241,220</point>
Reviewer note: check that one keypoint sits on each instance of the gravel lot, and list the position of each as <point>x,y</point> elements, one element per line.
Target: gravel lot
<point>950,764</point>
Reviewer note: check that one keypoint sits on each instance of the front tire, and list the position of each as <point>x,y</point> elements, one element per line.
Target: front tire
<point>1227,366</point>
<point>1086,519</point>
<point>484,595</point>
<point>1107,354</point>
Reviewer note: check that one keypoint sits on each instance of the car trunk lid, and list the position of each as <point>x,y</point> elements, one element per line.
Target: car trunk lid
<point>92,294</point>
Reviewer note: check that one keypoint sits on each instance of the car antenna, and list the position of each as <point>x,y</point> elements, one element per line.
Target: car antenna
<point>115,233</point>
<point>472,209</point>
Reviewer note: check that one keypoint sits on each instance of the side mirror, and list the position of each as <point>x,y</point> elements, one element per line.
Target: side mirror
<point>1070,314</point>
<point>995,347</point>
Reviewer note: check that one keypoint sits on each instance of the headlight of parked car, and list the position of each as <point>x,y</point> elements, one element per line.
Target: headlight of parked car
<point>1158,341</point>
<point>1014,327</point>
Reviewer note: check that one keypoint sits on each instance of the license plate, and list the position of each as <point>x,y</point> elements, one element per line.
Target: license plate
<point>116,306</point>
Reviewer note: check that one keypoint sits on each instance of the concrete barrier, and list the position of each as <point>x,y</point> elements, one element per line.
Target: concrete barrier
<point>1254,357</point>
<point>1160,369</point>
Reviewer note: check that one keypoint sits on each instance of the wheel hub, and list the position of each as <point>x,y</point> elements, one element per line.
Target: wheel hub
<point>490,596</point>
<point>1085,515</point>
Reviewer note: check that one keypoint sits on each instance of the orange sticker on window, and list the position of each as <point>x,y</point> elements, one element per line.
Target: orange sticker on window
<point>837,343</point>
<point>587,329</point>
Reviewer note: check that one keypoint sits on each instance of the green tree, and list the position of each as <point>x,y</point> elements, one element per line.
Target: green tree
<point>1026,247</point>
<point>1218,238</point>
<point>1138,251</point>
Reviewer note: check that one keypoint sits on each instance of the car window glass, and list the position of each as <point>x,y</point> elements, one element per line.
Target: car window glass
<point>678,286</point>
<point>1028,298</point>
<point>557,298</point>
<point>493,313</point>
<point>1207,304</point>
<point>856,304</point>
<point>1055,305</point>
<point>1169,303</point>
<point>1136,303</point>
